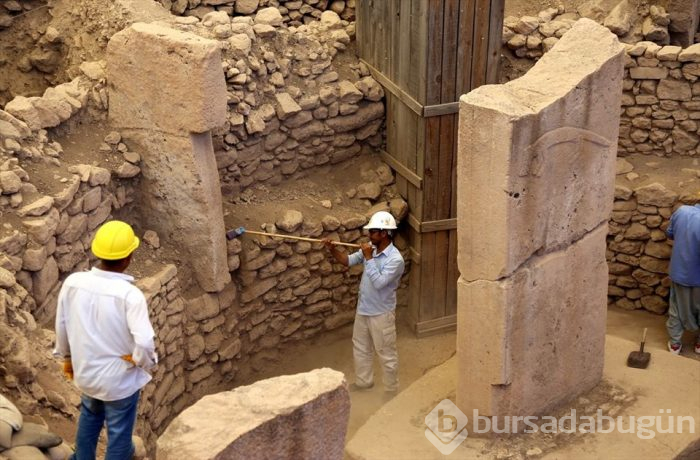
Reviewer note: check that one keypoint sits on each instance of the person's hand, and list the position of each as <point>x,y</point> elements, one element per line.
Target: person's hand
<point>128,359</point>
<point>366,250</point>
<point>328,243</point>
<point>68,369</point>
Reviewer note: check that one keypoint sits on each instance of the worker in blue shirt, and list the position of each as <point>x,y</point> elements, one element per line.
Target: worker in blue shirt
<point>684,300</point>
<point>375,320</point>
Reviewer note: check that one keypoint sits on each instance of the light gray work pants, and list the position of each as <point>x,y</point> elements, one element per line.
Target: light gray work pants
<point>370,334</point>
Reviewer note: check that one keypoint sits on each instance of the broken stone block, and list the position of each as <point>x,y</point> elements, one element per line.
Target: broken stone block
<point>619,20</point>
<point>270,16</point>
<point>290,221</point>
<point>297,416</point>
<point>654,32</point>
<point>349,92</point>
<point>9,182</point>
<point>286,106</point>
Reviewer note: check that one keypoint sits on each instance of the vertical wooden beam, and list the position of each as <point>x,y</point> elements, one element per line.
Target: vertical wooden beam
<point>494,40</point>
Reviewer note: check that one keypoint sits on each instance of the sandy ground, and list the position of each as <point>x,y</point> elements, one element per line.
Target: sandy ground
<point>418,356</point>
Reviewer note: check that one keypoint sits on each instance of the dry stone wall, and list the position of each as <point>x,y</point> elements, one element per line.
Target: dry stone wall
<point>660,108</point>
<point>291,107</point>
<point>661,101</point>
<point>293,12</point>
<point>638,250</point>
<point>46,233</point>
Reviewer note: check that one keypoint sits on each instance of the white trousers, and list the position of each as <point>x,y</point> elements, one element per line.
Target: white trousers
<point>370,334</point>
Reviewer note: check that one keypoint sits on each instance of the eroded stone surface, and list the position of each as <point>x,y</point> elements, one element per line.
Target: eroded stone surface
<point>292,416</point>
<point>537,165</point>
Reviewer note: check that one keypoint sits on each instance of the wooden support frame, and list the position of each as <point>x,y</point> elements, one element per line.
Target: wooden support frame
<point>425,111</point>
<point>426,54</point>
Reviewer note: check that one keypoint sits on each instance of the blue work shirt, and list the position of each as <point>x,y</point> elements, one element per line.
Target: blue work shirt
<point>380,279</point>
<point>684,230</point>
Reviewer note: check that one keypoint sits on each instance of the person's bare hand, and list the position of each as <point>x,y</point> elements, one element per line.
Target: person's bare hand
<point>366,250</point>
<point>328,243</point>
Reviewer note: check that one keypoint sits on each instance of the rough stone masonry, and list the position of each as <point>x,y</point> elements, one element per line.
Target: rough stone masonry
<point>537,162</point>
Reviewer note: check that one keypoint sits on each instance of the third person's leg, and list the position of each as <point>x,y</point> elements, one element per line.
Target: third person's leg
<point>674,326</point>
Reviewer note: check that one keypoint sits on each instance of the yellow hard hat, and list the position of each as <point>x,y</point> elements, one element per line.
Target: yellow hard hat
<point>114,240</point>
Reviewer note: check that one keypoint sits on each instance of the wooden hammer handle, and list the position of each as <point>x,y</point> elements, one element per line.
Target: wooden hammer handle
<point>301,238</point>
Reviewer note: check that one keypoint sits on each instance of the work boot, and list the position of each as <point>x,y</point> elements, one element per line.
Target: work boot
<point>675,348</point>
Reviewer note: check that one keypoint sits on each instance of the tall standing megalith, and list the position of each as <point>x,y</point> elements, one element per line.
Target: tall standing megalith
<point>536,171</point>
<point>166,93</point>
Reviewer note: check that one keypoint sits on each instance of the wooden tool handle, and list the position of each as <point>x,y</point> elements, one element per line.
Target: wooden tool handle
<point>301,238</point>
<point>644,335</point>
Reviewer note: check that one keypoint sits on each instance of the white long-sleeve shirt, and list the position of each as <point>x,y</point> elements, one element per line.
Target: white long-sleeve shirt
<point>101,316</point>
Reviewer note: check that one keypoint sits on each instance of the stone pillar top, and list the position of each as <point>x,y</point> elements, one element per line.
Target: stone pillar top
<point>580,53</point>
<point>168,80</point>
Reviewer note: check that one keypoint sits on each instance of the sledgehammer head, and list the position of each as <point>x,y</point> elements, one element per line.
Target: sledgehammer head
<point>231,234</point>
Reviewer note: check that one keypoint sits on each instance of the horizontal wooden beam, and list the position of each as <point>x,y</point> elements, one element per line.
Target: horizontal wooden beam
<point>425,111</point>
<point>433,326</point>
<point>438,225</point>
<point>431,225</point>
<point>440,109</point>
<point>402,170</point>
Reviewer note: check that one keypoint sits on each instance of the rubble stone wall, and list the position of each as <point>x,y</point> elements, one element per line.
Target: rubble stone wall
<point>660,112</point>
<point>638,250</point>
<point>660,108</point>
<point>293,12</point>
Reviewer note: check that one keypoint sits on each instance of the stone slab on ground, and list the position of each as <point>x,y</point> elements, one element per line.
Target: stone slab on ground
<point>397,430</point>
<point>291,416</point>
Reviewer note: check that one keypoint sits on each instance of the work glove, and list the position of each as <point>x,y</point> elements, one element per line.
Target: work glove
<point>68,368</point>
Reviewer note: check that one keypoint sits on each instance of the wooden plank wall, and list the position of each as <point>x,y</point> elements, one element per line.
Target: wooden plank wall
<point>428,53</point>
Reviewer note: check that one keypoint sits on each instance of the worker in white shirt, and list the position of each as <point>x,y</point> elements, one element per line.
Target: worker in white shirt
<point>105,337</point>
<point>375,320</point>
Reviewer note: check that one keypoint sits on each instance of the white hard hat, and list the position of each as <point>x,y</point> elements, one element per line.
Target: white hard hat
<point>381,220</point>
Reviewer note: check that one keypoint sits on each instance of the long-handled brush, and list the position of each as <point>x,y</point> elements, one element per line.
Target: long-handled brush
<point>236,232</point>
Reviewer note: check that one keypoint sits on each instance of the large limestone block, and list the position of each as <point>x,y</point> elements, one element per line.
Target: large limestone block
<point>535,339</point>
<point>537,155</point>
<point>292,416</point>
<point>165,79</point>
<point>183,169</point>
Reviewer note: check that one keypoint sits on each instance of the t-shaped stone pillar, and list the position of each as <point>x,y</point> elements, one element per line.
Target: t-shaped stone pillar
<point>537,172</point>
<point>166,92</point>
